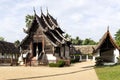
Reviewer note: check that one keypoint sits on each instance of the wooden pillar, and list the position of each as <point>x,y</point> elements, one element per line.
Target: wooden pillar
<point>16,59</point>
<point>31,53</point>
<point>25,62</point>
<point>86,57</point>
<point>31,48</point>
<point>54,50</point>
<point>2,58</point>
<point>64,52</point>
<point>5,58</point>
<point>11,59</point>
<point>59,52</point>
<point>43,44</point>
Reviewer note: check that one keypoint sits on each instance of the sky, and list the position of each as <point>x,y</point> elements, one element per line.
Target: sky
<point>83,18</point>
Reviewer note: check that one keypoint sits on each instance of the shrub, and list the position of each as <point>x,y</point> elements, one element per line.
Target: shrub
<point>118,60</point>
<point>99,61</point>
<point>74,60</point>
<point>52,65</point>
<point>60,63</point>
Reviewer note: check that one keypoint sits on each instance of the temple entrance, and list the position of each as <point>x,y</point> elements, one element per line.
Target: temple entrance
<point>37,48</point>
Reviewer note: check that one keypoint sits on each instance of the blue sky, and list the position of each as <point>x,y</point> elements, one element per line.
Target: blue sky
<point>83,18</point>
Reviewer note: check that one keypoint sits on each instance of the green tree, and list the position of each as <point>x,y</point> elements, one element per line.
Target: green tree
<point>28,20</point>
<point>76,41</point>
<point>89,41</point>
<point>2,39</point>
<point>117,37</point>
<point>67,36</point>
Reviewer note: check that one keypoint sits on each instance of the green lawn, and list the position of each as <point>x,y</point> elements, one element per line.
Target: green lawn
<point>108,72</point>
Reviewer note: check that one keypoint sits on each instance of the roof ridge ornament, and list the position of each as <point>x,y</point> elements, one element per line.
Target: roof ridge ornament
<point>34,10</point>
<point>47,10</point>
<point>108,28</point>
<point>41,10</point>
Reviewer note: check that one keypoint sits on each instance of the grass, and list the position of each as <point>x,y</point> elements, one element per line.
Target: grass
<point>108,72</point>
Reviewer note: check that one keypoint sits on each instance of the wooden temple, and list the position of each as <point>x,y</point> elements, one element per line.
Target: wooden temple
<point>8,53</point>
<point>45,42</point>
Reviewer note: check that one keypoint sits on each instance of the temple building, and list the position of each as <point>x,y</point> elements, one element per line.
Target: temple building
<point>44,42</point>
<point>8,53</point>
<point>107,49</point>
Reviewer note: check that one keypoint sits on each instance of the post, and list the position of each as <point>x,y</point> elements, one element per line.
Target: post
<point>93,58</point>
<point>25,62</point>
<point>43,44</point>
<point>11,59</point>
<point>86,57</point>
<point>80,58</point>
<point>31,51</point>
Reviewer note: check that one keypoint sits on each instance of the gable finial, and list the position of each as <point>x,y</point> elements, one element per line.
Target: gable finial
<point>47,10</point>
<point>41,10</point>
<point>34,10</point>
<point>108,28</point>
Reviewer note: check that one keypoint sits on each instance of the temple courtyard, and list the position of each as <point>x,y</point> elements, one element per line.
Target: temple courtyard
<point>77,71</point>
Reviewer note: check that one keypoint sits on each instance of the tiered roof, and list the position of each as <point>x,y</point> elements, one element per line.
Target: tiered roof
<point>49,27</point>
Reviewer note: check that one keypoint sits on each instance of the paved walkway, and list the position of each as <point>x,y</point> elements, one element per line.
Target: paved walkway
<point>78,71</point>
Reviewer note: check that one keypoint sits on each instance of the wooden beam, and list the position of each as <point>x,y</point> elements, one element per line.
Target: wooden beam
<point>43,44</point>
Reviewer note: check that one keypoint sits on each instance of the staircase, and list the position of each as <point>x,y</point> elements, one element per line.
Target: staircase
<point>38,60</point>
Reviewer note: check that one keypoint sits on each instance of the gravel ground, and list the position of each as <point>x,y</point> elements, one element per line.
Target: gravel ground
<point>78,71</point>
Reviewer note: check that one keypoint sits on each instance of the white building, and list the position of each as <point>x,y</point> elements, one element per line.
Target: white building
<point>107,49</point>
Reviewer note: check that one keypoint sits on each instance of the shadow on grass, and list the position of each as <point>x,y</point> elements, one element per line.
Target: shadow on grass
<point>51,75</point>
<point>105,66</point>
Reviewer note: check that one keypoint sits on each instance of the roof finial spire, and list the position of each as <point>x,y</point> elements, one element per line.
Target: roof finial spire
<point>47,10</point>
<point>41,10</point>
<point>34,10</point>
<point>108,28</point>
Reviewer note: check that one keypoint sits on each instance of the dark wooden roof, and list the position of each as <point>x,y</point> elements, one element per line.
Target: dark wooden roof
<point>7,47</point>
<point>107,42</point>
<point>49,27</point>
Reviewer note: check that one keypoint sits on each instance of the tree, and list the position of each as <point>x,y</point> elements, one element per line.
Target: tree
<point>117,37</point>
<point>89,41</point>
<point>17,43</point>
<point>76,41</point>
<point>2,39</point>
<point>28,20</point>
<point>67,36</point>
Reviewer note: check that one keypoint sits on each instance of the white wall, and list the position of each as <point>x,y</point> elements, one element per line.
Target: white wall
<point>51,58</point>
<point>116,54</point>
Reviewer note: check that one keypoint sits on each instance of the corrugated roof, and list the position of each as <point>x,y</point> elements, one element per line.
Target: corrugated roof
<point>85,49</point>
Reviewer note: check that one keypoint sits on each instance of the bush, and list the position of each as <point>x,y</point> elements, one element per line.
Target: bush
<point>60,63</point>
<point>99,61</point>
<point>118,60</point>
<point>52,65</point>
<point>74,60</point>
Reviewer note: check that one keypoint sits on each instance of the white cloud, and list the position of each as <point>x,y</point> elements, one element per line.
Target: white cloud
<point>83,18</point>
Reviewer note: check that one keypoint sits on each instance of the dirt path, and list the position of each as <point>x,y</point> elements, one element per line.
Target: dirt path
<point>78,71</point>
